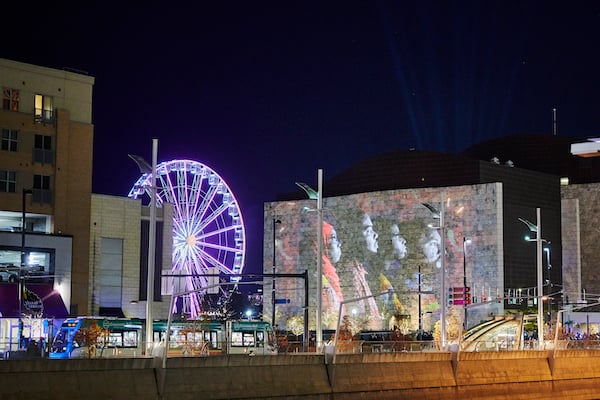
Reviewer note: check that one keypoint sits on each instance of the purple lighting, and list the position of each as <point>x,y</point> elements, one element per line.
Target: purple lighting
<point>208,228</point>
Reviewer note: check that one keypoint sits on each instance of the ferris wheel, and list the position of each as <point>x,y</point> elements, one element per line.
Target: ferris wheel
<point>208,229</point>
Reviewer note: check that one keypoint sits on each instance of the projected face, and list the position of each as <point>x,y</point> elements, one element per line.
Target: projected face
<point>398,242</point>
<point>369,234</point>
<point>335,247</point>
<point>432,245</point>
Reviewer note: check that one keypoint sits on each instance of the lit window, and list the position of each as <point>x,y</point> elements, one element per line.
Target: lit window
<point>9,140</point>
<point>236,339</point>
<point>10,99</point>
<point>248,339</point>
<point>43,108</point>
<point>8,181</point>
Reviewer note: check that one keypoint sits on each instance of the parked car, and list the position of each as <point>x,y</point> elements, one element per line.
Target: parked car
<point>9,274</point>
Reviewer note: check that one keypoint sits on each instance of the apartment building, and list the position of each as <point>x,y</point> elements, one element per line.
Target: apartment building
<point>45,189</point>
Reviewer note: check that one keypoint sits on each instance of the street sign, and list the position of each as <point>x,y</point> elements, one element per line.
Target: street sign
<point>282,301</point>
<point>458,296</point>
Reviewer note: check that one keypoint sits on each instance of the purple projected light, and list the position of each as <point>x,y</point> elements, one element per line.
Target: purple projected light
<point>208,229</point>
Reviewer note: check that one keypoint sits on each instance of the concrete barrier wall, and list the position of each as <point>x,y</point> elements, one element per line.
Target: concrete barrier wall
<point>43,379</point>
<point>490,375</point>
<point>241,376</point>
<point>377,372</point>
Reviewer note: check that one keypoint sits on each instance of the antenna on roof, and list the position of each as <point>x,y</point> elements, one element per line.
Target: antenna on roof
<point>554,121</point>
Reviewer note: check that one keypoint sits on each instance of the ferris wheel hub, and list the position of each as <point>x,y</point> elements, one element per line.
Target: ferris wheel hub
<point>192,240</point>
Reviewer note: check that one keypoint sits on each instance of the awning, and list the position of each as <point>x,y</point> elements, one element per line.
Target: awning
<point>39,297</point>
<point>111,312</point>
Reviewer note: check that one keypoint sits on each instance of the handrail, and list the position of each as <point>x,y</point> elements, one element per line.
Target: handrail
<point>559,324</point>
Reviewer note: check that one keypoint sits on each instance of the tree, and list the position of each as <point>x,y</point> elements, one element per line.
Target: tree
<point>90,336</point>
<point>344,336</point>
<point>453,326</point>
<point>296,324</point>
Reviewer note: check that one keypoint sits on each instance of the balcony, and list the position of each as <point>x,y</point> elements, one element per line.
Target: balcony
<point>44,116</point>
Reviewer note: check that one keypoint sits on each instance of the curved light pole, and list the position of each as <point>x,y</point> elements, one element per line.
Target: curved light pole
<point>145,168</point>
<point>537,229</point>
<point>439,214</point>
<point>420,337</point>
<point>23,263</point>
<point>549,283</point>
<point>318,195</point>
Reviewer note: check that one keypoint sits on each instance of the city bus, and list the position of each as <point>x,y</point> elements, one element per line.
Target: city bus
<point>124,337</point>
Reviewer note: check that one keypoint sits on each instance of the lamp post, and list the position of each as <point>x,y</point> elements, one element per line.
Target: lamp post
<point>465,297</point>
<point>537,229</point>
<point>549,283</point>
<point>145,168</point>
<point>318,195</point>
<point>275,221</point>
<point>23,262</point>
<point>420,337</point>
<point>439,214</point>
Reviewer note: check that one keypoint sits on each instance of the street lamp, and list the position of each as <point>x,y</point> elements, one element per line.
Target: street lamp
<point>466,241</point>
<point>420,337</point>
<point>439,214</point>
<point>318,195</point>
<point>23,262</point>
<point>548,267</point>
<point>275,221</point>
<point>145,168</point>
<point>549,284</point>
<point>537,229</point>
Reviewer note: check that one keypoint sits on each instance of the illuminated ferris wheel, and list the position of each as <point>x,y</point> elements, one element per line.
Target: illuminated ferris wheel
<point>208,229</point>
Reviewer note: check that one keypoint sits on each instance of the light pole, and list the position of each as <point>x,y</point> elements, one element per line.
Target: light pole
<point>145,168</point>
<point>23,262</point>
<point>466,241</point>
<point>275,221</point>
<point>420,311</point>
<point>318,195</point>
<point>439,214</point>
<point>537,229</point>
<point>549,283</point>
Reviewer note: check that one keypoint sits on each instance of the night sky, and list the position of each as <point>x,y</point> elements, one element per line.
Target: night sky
<point>265,93</point>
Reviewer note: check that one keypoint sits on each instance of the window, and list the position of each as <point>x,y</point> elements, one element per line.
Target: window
<point>242,339</point>
<point>10,99</point>
<point>43,108</point>
<point>41,182</point>
<point>38,268</point>
<point>8,181</point>
<point>42,149</point>
<point>9,140</point>
<point>41,189</point>
<point>43,142</point>
<point>236,339</point>
<point>109,278</point>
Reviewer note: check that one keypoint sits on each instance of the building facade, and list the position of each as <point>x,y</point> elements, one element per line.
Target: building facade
<point>46,174</point>
<point>399,197</point>
<point>119,254</point>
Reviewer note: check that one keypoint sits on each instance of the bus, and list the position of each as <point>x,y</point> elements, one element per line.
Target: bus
<point>124,337</point>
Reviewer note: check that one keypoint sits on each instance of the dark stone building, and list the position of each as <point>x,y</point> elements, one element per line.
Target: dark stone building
<point>533,169</point>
